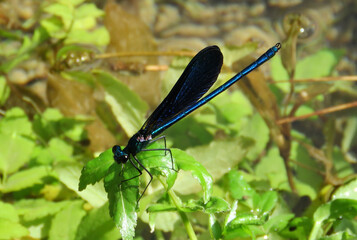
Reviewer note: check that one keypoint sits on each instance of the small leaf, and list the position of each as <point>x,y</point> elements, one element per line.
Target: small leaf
<point>328,58</point>
<point>60,150</point>
<point>97,225</point>
<point>238,187</point>
<point>26,178</point>
<point>219,157</point>
<point>232,214</point>
<point>88,10</point>
<point>96,169</point>
<point>15,122</point>
<point>216,205</point>
<point>64,225</point>
<point>188,163</point>
<point>69,174</point>
<point>348,191</point>
<point>245,219</point>
<point>12,230</point>
<point>161,207</point>
<point>89,37</point>
<point>267,202</point>
<point>160,162</point>
<point>255,125</point>
<point>126,105</point>
<point>279,222</point>
<point>271,166</point>
<point>215,228</point>
<point>8,212</point>
<point>123,197</point>
<point>54,27</point>
<point>11,159</point>
<point>38,208</point>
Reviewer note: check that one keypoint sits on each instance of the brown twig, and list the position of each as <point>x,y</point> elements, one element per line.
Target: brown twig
<point>140,54</point>
<point>352,78</point>
<point>319,112</point>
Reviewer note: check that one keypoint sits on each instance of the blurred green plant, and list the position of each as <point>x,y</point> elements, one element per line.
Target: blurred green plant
<point>241,173</point>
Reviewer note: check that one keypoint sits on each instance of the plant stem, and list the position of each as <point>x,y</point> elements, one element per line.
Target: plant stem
<point>177,202</point>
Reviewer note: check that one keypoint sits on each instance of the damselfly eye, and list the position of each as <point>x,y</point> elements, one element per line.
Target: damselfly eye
<point>116,149</point>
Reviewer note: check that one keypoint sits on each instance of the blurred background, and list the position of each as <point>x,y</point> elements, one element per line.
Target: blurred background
<point>77,77</point>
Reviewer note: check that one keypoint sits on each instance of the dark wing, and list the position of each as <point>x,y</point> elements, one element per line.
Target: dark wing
<point>199,75</point>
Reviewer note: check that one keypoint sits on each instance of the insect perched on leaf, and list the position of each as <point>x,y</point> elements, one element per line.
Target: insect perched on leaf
<point>185,97</point>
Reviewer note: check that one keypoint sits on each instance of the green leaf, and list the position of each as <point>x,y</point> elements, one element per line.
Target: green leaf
<point>233,106</point>
<point>245,219</point>
<point>164,221</point>
<point>216,205</point>
<point>52,124</point>
<point>64,11</point>
<point>327,58</point>
<point>126,105</point>
<point>256,125</point>
<point>97,224</point>
<point>12,230</point>
<point>11,159</point>
<point>32,209</point>
<point>15,122</point>
<point>159,162</point>
<point>267,202</point>
<point>8,212</point>
<point>306,68</point>
<point>308,182</point>
<point>298,228</point>
<point>4,91</point>
<point>161,207</point>
<point>341,167</point>
<point>123,197</point>
<point>96,169</point>
<point>271,167</point>
<point>336,209</point>
<point>15,133</point>
<point>243,226</point>
<point>69,174</point>
<point>60,150</point>
<point>279,222</point>
<point>64,225</point>
<point>26,178</point>
<point>215,228</point>
<point>98,36</point>
<point>88,10</point>
<point>232,214</point>
<point>348,191</point>
<point>227,153</point>
<point>238,186</point>
<point>71,2</point>
<point>54,27</point>
<point>188,163</point>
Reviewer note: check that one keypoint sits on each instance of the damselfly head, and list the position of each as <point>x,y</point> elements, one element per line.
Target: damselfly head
<point>119,155</point>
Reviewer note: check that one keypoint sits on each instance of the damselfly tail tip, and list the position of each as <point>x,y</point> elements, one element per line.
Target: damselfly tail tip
<point>278,45</point>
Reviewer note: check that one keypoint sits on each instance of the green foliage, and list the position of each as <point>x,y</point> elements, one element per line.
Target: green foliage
<point>74,22</point>
<point>229,176</point>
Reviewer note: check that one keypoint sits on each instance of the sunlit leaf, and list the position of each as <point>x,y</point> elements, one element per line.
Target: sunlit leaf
<point>123,197</point>
<point>97,224</point>
<point>65,223</point>
<point>69,175</point>
<point>188,163</point>
<point>96,169</point>
<point>26,178</point>
<point>126,105</point>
